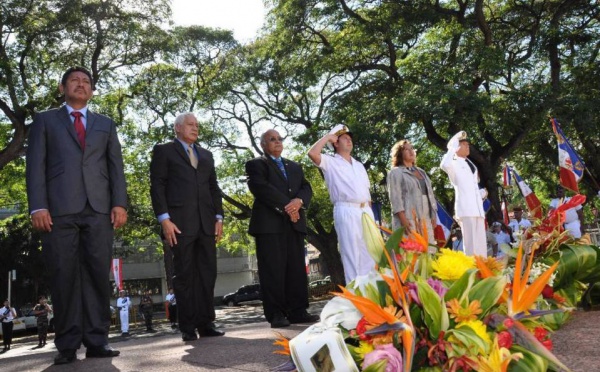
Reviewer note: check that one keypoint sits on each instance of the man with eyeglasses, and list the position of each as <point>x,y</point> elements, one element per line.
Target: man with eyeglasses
<point>278,223</point>
<point>349,186</point>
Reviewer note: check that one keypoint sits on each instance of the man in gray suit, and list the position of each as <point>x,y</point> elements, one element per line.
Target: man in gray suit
<point>77,197</point>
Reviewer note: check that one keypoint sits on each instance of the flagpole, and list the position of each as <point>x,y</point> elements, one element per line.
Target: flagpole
<point>593,179</point>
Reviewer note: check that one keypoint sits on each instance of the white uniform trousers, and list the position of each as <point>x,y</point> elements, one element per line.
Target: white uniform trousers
<point>474,239</point>
<point>347,218</point>
<point>124,320</point>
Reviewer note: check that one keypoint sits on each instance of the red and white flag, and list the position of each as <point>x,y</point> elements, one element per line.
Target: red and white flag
<point>117,268</point>
<point>504,208</point>
<point>571,165</point>
<point>532,201</point>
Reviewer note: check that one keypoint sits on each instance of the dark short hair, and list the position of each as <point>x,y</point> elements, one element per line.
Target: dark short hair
<point>70,70</point>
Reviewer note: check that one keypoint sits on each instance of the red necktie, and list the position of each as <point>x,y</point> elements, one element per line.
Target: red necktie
<point>79,128</point>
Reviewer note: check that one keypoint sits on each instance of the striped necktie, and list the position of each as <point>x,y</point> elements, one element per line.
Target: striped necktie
<point>279,163</point>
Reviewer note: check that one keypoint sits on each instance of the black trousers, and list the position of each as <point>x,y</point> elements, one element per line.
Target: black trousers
<point>282,272</point>
<point>7,333</point>
<point>195,267</point>
<point>78,253</point>
<point>172,313</point>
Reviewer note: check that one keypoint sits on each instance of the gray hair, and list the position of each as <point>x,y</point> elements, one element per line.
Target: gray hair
<point>181,118</point>
<point>263,137</point>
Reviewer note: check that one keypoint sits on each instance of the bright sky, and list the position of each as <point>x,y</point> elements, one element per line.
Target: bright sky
<point>244,17</point>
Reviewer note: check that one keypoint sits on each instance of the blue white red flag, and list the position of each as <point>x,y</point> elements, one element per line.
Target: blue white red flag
<point>441,232</point>
<point>506,176</point>
<point>505,212</point>
<point>533,203</point>
<point>571,165</point>
<point>117,268</point>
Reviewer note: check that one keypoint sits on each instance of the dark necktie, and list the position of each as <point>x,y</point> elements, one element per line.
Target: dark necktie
<point>279,163</point>
<point>79,128</point>
<point>471,165</point>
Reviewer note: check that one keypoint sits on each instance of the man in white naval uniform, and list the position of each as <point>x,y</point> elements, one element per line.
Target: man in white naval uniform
<point>468,199</point>
<point>348,185</point>
<point>123,303</point>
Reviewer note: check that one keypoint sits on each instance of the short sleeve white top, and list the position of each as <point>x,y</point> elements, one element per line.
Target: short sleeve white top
<point>346,181</point>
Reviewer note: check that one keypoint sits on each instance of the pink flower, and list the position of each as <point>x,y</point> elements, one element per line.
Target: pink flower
<point>505,339</point>
<point>438,287</point>
<point>385,352</point>
<point>412,291</point>
<point>508,323</point>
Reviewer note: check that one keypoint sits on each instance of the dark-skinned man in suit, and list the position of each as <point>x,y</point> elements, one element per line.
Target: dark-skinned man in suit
<point>77,197</point>
<point>278,223</point>
<point>187,202</point>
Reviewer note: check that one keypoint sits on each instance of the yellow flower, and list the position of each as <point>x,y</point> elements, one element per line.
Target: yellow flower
<point>498,359</point>
<point>363,349</point>
<point>451,265</point>
<point>461,314</point>
<point>478,327</point>
<point>494,265</point>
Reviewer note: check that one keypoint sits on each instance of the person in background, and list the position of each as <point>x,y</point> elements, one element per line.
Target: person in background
<point>457,240</point>
<point>123,305</point>
<point>502,238</point>
<point>41,311</point>
<point>573,216</point>
<point>410,192</point>
<point>146,305</point>
<point>349,191</point>
<point>492,243</point>
<point>468,197</point>
<point>518,224</point>
<point>172,306</point>
<point>278,224</point>
<point>7,315</point>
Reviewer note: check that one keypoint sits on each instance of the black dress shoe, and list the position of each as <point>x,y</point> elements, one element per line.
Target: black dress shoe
<point>101,352</point>
<point>189,336</point>
<point>65,357</point>
<point>279,321</point>
<point>303,317</point>
<point>210,332</point>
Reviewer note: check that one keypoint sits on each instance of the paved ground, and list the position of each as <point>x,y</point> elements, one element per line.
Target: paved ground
<point>247,346</point>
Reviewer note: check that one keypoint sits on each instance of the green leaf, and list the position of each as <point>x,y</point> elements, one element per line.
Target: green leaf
<point>488,291</point>
<point>436,315</point>
<point>394,240</point>
<point>530,362</point>
<point>378,366</point>
<point>469,339</point>
<point>576,263</point>
<point>460,288</point>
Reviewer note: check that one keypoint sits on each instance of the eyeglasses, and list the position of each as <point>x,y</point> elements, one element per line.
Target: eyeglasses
<point>275,139</point>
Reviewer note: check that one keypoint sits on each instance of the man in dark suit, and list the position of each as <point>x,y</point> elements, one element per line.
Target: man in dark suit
<point>77,197</point>
<point>187,201</point>
<point>278,223</point>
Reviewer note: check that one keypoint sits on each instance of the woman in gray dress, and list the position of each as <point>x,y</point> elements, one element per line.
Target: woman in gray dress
<point>410,192</point>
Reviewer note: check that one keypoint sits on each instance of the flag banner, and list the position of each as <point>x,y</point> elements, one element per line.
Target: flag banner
<point>533,203</point>
<point>441,232</point>
<point>571,165</point>
<point>117,267</point>
<point>506,176</point>
<point>504,208</point>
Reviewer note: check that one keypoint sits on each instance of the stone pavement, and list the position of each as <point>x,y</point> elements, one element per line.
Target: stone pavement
<point>247,346</point>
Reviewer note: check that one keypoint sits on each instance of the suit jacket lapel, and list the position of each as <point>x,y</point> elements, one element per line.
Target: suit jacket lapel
<point>272,164</point>
<point>90,121</point>
<point>64,118</point>
<point>179,149</point>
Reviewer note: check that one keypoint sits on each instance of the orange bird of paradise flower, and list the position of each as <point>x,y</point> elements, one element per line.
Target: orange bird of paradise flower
<point>523,296</point>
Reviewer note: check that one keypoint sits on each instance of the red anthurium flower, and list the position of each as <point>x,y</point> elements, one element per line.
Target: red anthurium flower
<point>505,339</point>
<point>548,344</point>
<point>547,292</point>
<point>508,323</point>
<point>361,328</point>
<point>540,333</point>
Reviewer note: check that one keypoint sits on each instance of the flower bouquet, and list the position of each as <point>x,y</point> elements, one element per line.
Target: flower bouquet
<point>444,312</point>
